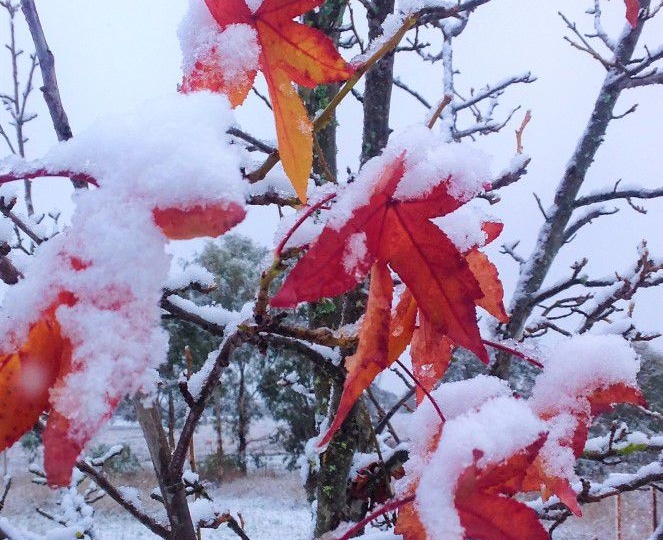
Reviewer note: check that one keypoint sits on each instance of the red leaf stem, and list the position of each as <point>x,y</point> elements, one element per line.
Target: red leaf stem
<point>423,389</point>
<point>514,352</point>
<point>44,173</point>
<point>388,507</point>
<point>302,219</point>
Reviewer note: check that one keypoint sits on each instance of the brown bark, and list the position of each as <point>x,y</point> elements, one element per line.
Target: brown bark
<point>379,82</point>
<point>170,484</point>
<point>242,419</point>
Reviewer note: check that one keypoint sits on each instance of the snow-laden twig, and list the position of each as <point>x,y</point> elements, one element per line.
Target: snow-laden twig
<point>620,442</point>
<point>591,492</point>
<point>120,498</point>
<point>551,235</point>
<point>615,193</point>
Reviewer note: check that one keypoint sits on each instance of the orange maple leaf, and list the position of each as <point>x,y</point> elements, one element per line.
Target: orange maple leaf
<point>27,375</point>
<point>198,221</point>
<point>597,401</point>
<point>44,360</point>
<point>289,51</point>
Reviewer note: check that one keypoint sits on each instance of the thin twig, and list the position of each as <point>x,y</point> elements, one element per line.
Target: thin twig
<point>102,481</point>
<point>521,130</point>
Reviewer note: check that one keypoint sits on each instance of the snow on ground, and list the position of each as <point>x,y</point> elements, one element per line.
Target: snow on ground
<point>271,505</point>
<point>271,501</point>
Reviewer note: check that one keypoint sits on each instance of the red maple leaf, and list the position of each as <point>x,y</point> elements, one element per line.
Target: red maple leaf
<point>431,350</point>
<point>289,51</point>
<point>397,232</point>
<point>483,500</point>
<point>485,507</point>
<point>632,12</point>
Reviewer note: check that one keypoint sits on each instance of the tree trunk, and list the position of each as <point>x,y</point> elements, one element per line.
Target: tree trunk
<point>171,418</point>
<point>379,82</point>
<point>171,487</point>
<point>218,423</point>
<point>242,420</point>
<point>335,463</point>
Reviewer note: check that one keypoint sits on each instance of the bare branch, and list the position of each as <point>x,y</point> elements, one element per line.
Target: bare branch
<point>494,90</point>
<point>400,403</point>
<point>584,45</point>
<point>102,481</point>
<point>552,233</point>
<point>586,219</point>
<point>645,80</point>
<point>257,143</point>
<point>594,492</point>
<point>598,27</point>
<point>618,194</point>
<point>47,64</point>
<point>177,306</point>
<point>9,274</point>
<point>6,210</point>
<point>5,491</point>
<point>332,371</point>
<point>510,250</point>
<point>645,273</point>
<point>176,465</point>
<point>399,84</point>
<point>271,197</point>
<point>50,88</point>
<point>513,174</point>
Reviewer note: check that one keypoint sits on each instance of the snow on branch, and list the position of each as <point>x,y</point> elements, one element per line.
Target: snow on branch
<point>615,193</point>
<point>211,318</point>
<point>598,306</point>
<point>620,442</point>
<point>587,218</point>
<point>552,235</point>
<point>591,492</point>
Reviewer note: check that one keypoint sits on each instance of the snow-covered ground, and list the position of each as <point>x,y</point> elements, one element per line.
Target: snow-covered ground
<point>271,501</point>
<point>271,506</point>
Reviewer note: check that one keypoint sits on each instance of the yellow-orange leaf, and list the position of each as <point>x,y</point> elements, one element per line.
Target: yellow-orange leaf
<point>289,52</point>
<point>26,377</point>
<point>294,131</point>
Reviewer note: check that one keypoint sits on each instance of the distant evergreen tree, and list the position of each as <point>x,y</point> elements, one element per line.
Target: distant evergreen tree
<point>280,382</point>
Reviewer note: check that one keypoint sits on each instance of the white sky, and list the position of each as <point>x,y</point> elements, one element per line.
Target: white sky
<point>114,55</point>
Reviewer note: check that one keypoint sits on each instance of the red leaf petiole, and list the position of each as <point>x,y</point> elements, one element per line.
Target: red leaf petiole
<point>320,204</point>
<point>423,389</point>
<point>514,352</point>
<point>41,173</point>
<point>389,507</point>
